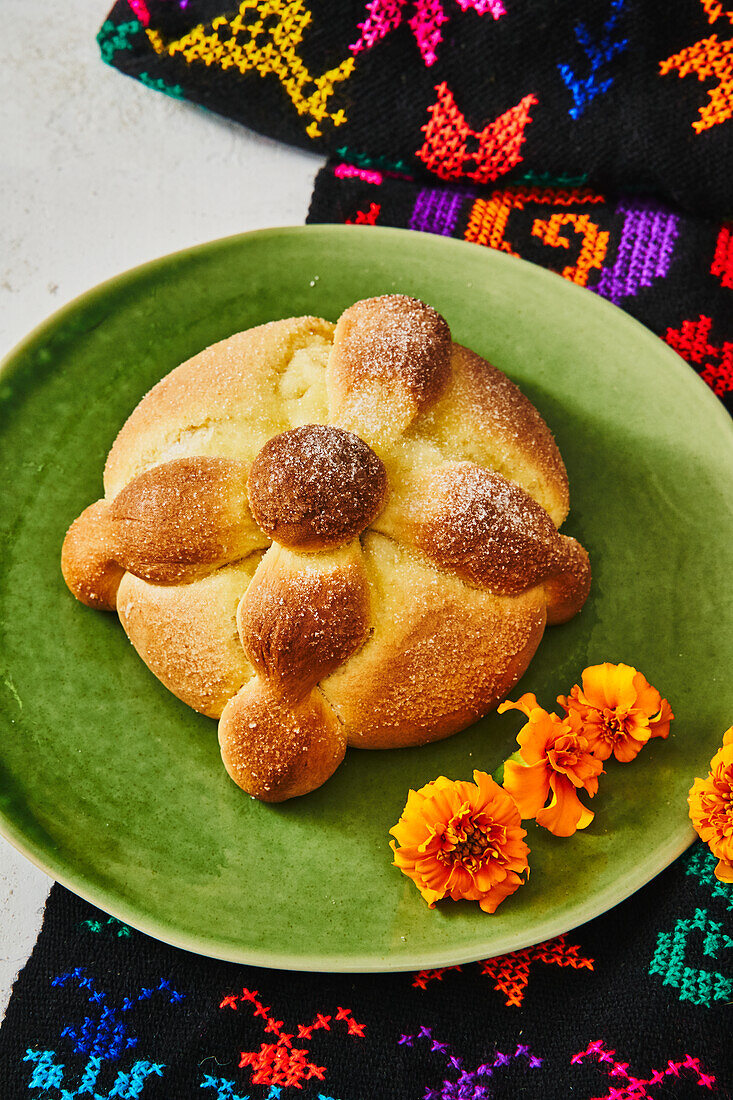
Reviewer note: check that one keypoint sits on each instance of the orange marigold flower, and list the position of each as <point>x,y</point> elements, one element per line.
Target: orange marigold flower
<point>462,840</point>
<point>555,757</point>
<point>618,709</point>
<point>711,808</point>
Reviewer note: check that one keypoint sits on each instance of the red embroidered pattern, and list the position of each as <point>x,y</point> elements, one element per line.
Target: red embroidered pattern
<point>690,341</point>
<point>280,1063</point>
<point>452,150</point>
<point>512,971</point>
<point>628,1087</point>
<point>722,264</point>
<point>366,217</point>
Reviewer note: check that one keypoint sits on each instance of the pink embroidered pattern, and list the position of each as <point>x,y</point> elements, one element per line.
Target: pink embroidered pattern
<point>383,16</point>
<point>690,341</point>
<point>351,172</point>
<point>452,150</point>
<point>366,217</point>
<point>628,1087</point>
<point>592,250</point>
<point>279,1063</point>
<point>722,264</point>
<point>140,9</point>
<point>511,972</point>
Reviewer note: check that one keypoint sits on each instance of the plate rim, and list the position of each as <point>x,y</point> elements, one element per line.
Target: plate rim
<point>639,874</point>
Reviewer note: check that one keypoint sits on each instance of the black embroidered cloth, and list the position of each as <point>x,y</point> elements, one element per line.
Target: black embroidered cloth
<point>596,140</point>
<point>636,1004</point>
<point>622,94</point>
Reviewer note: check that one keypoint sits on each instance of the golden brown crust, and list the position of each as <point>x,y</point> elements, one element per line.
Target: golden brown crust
<point>316,487</point>
<point>180,520</point>
<point>390,361</point>
<point>441,654</point>
<point>475,523</point>
<point>483,417</point>
<point>87,562</point>
<point>228,400</point>
<point>187,634</point>
<point>274,751</point>
<point>302,616</point>
<point>568,589</point>
<point>386,643</point>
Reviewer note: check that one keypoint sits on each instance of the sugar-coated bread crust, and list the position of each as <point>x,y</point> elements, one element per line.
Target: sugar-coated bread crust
<point>440,653</point>
<point>187,634</point>
<point>332,534</point>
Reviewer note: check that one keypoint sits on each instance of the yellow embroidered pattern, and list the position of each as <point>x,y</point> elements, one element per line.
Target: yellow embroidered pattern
<point>264,37</point>
<point>592,250</point>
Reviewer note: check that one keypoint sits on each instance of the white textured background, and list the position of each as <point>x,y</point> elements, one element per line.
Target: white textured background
<point>97,174</point>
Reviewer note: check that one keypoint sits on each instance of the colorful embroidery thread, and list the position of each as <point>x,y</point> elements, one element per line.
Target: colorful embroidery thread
<point>488,218</point>
<point>592,250</point>
<point>722,264</point>
<point>437,209</point>
<point>701,987</point>
<point>599,53</point>
<point>280,1063</point>
<point>428,17</point>
<point>708,59</point>
<point>452,150</point>
<point>511,972</point>
<point>690,341</point>
<point>468,1084</point>
<point>644,253</point>
<point>263,37</point>
<point>635,1088</point>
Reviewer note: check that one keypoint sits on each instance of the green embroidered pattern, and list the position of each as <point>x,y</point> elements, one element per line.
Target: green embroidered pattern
<point>111,38</point>
<point>702,987</point>
<point>701,864</point>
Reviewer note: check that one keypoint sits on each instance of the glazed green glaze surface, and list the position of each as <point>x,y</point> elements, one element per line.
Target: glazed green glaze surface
<point>116,788</point>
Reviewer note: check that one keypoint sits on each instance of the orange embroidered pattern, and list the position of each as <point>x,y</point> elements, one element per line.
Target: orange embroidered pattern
<point>511,972</point>
<point>280,1063</point>
<point>592,251</point>
<point>264,37</point>
<point>366,217</point>
<point>488,218</point>
<point>708,59</point>
<point>452,150</point>
<point>722,264</point>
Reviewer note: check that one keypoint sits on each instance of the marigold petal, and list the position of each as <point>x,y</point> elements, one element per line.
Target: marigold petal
<point>609,686</point>
<point>565,812</point>
<point>528,785</point>
<point>724,871</point>
<point>659,723</point>
<point>627,748</point>
<point>491,901</point>
<point>526,703</point>
<point>728,736</point>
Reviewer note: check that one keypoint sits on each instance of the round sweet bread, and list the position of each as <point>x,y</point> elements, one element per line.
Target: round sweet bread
<point>332,535</point>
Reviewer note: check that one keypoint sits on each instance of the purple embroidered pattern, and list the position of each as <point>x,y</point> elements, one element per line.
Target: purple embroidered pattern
<point>436,210</point>
<point>645,250</point>
<point>467,1084</point>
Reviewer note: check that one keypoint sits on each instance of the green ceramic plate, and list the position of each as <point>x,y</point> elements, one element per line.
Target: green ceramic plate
<point>116,789</point>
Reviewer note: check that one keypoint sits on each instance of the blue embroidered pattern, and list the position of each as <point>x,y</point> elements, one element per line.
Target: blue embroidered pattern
<point>599,53</point>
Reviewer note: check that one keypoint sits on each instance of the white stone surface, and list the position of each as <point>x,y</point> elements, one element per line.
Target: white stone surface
<point>97,174</point>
